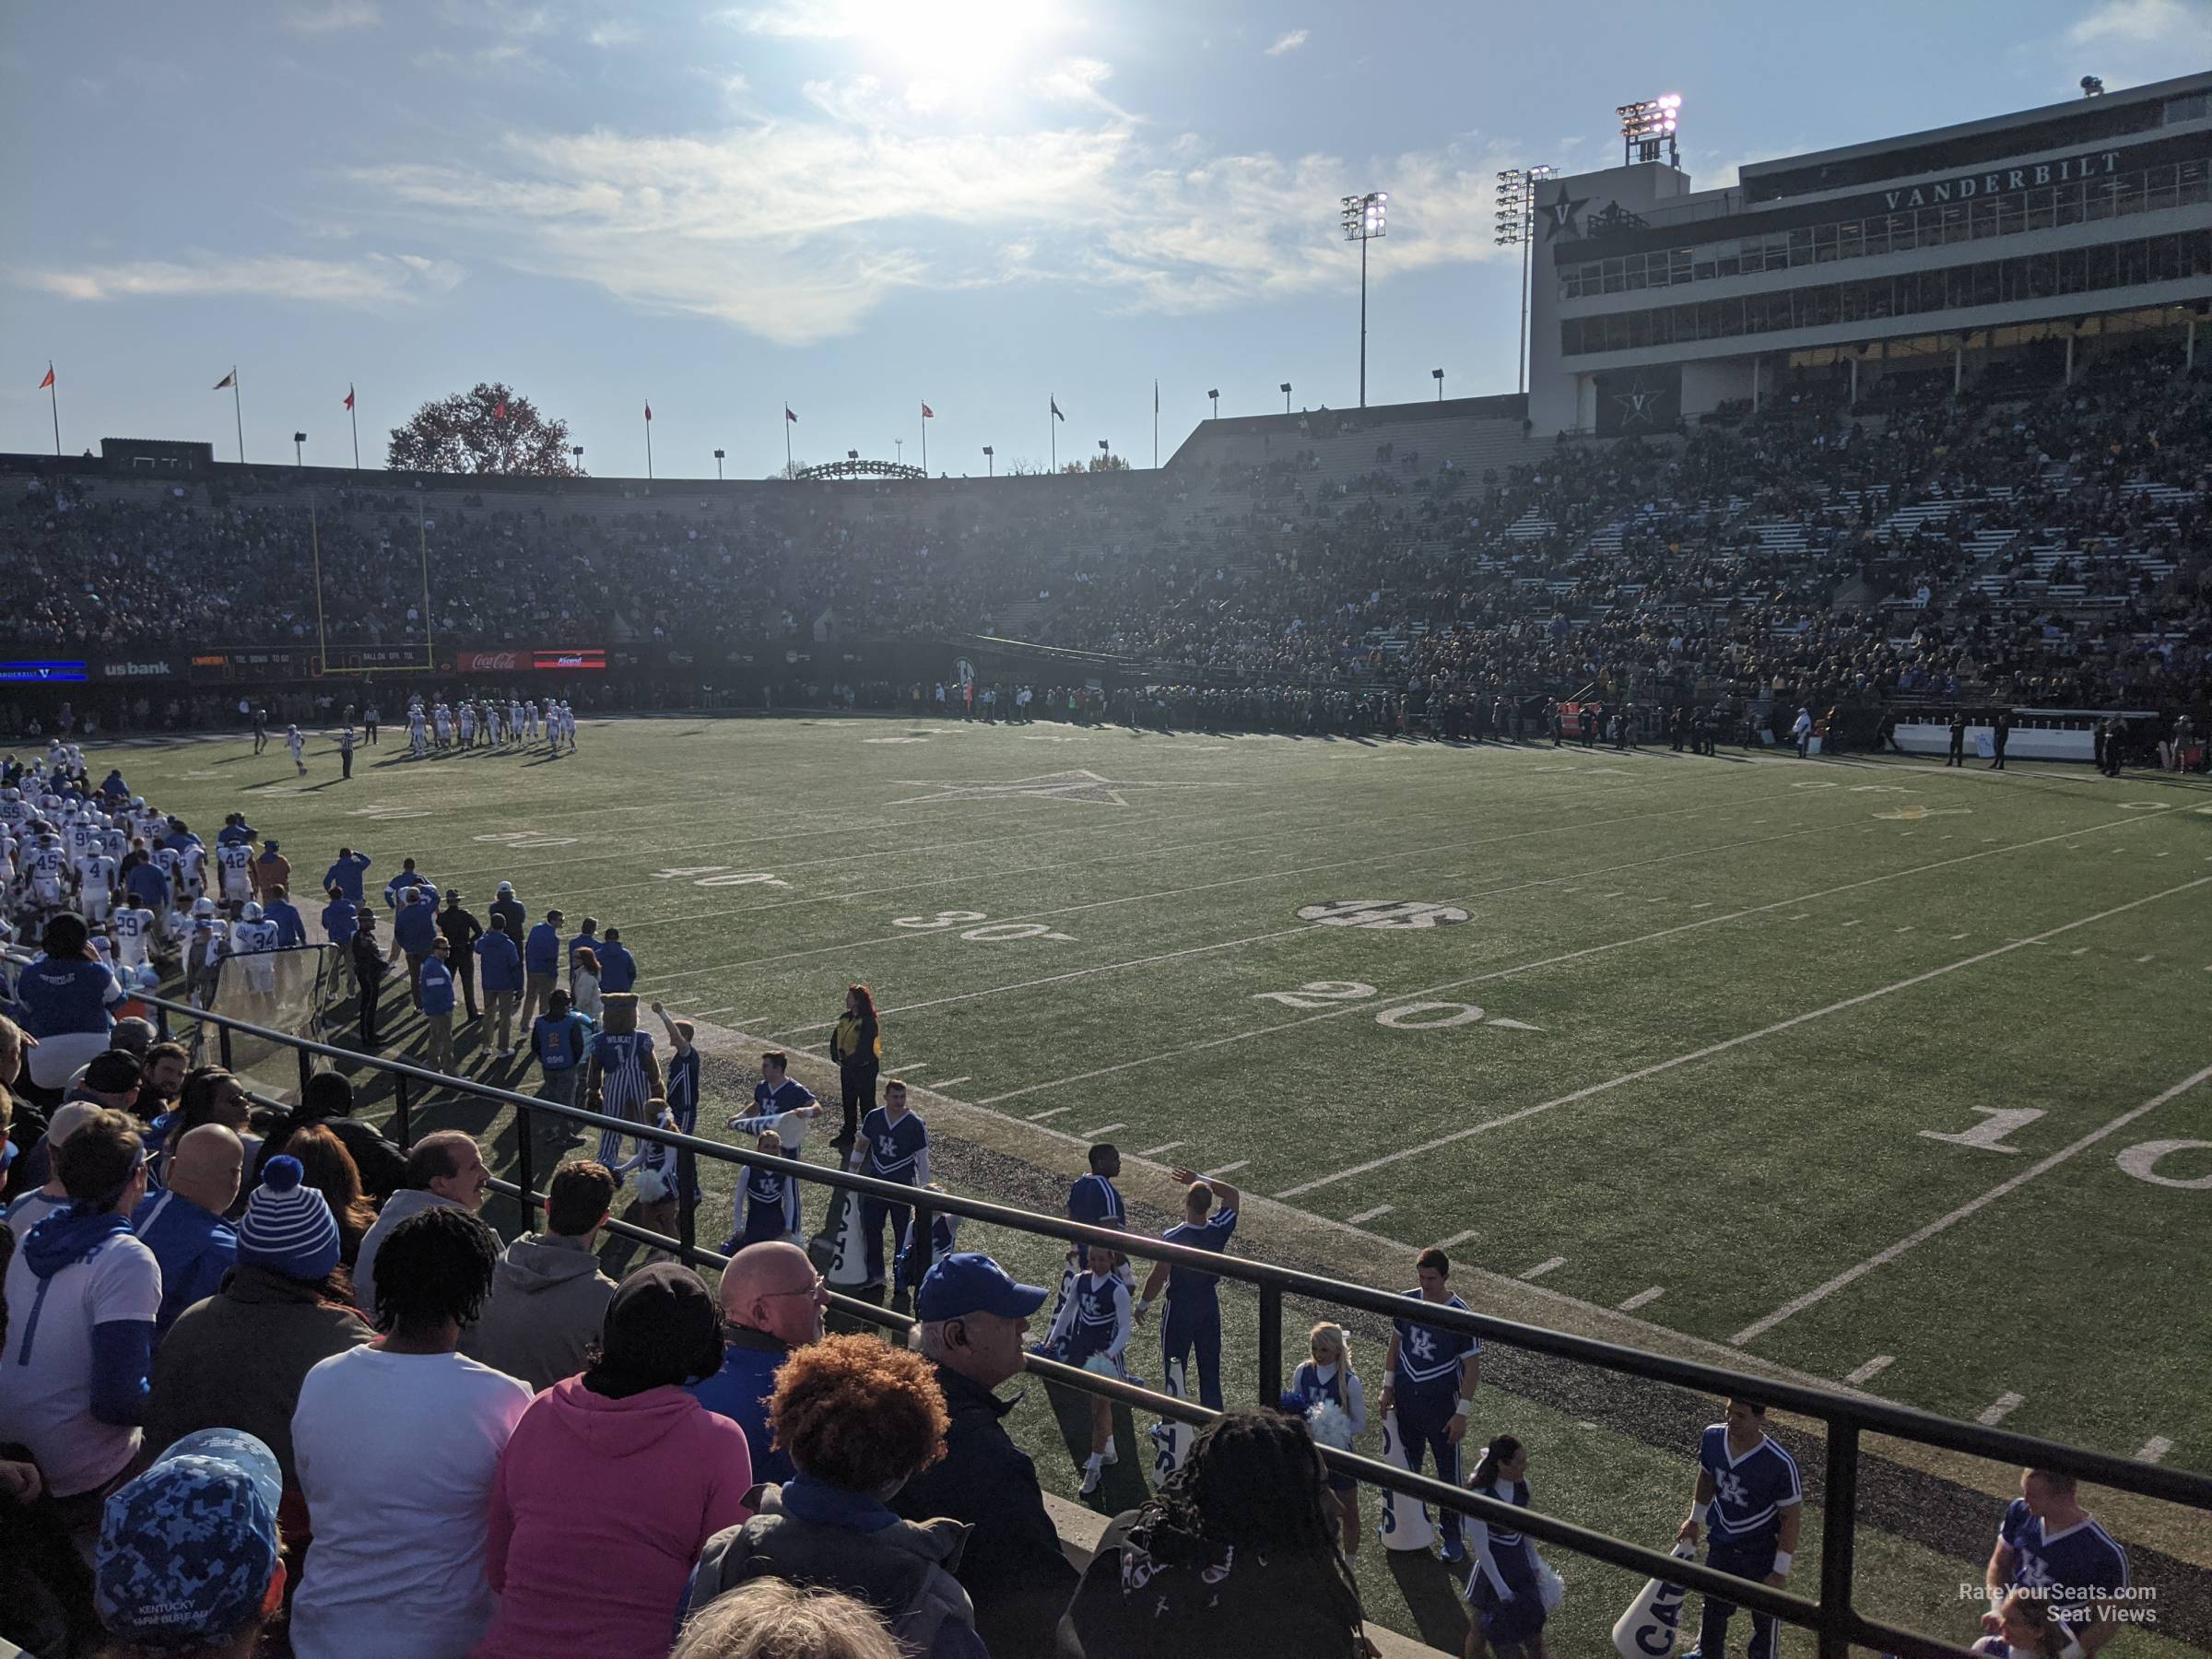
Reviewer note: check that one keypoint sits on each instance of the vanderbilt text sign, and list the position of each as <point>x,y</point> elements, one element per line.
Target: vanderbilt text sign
<point>2003,180</point>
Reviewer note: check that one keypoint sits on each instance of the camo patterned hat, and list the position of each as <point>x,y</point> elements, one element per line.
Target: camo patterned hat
<point>187,1550</point>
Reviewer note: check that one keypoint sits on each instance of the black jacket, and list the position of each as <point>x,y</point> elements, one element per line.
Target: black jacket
<point>461,931</point>
<point>518,921</point>
<point>1012,1569</point>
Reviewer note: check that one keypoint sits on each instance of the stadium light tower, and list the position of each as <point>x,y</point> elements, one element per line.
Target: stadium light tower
<point>1438,376</point>
<point>1517,227</point>
<point>1363,221</point>
<point>717,466</point>
<point>576,454</point>
<point>1647,127</point>
<point>299,439</point>
<point>1215,395</point>
<point>990,461</point>
<point>1285,390</point>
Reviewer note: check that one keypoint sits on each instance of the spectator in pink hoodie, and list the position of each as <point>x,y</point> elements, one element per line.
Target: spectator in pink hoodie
<point>612,1483</point>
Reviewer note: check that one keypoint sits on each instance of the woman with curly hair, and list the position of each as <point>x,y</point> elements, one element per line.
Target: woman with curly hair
<point>858,1419</point>
<point>856,1044</point>
<point>1236,1554</point>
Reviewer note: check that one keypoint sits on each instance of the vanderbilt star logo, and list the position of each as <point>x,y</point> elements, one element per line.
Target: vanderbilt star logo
<point>1084,788</point>
<point>1638,404</point>
<point>1560,216</point>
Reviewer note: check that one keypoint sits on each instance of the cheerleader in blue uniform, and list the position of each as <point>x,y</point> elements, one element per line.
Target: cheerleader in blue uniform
<point>1092,1331</point>
<point>1506,1590</point>
<point>1327,1379</point>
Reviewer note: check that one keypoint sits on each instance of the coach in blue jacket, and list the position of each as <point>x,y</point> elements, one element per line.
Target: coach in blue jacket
<point>541,969</point>
<point>502,961</point>
<point>415,933</point>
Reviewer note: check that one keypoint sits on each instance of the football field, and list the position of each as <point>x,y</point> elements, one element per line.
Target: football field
<point>1883,1074</point>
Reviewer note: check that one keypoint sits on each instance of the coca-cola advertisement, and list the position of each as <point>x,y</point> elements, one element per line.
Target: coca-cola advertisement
<point>488,662</point>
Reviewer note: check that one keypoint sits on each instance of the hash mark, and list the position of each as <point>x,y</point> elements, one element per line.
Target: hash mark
<point>1102,1129</point>
<point>1163,1146</point>
<point>2005,1406</point>
<point>1227,1169</point>
<point>1380,1209</point>
<point>1866,1373</point>
<point>1637,1300</point>
<point>2144,958</point>
<point>1541,1268</point>
<point>2155,1447</point>
<point>1457,1238</point>
<point>1039,1117</point>
<point>942,1084</point>
<point>1853,923</point>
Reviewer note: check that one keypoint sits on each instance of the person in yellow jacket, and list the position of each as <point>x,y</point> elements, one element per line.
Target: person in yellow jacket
<point>856,1044</point>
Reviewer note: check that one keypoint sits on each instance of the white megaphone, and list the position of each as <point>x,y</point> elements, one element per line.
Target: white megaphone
<point>1171,1440</point>
<point>848,1268</point>
<point>1405,1523</point>
<point>1653,1625</point>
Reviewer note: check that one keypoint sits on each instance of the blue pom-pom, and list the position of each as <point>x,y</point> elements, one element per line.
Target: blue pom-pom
<point>281,1174</point>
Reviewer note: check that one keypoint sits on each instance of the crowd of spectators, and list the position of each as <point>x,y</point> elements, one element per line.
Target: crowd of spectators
<point>2025,541</point>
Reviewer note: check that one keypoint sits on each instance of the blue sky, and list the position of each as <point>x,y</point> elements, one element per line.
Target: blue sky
<point>858,205</point>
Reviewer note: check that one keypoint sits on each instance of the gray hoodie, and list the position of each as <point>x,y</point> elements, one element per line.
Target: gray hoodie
<point>548,1300</point>
<point>408,1201</point>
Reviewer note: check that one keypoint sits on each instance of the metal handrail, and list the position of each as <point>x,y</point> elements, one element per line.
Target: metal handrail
<point>1837,1625</point>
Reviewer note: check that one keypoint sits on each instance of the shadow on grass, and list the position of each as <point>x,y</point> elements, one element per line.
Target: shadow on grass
<point>1431,1596</point>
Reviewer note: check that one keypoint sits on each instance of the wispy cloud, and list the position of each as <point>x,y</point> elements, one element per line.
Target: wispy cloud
<point>1289,42</point>
<point>502,60</point>
<point>331,15</point>
<point>2142,39</point>
<point>372,281</point>
<point>615,31</point>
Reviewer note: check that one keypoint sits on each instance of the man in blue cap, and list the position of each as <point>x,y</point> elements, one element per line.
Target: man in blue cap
<point>975,1326</point>
<point>188,1556</point>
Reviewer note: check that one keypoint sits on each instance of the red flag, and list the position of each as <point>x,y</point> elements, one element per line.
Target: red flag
<point>928,413</point>
<point>649,411</point>
<point>349,398</point>
<point>48,380</point>
<point>498,410</point>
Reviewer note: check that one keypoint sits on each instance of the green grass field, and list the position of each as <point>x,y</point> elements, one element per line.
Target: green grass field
<point>1864,1069</point>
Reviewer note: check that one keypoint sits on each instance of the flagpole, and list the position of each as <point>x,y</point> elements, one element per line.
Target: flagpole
<point>238,411</point>
<point>787,437</point>
<point>648,449</point>
<point>1051,426</point>
<point>925,446</point>
<point>429,644</point>
<point>1155,425</point>
<point>53,400</point>
<point>314,542</point>
<point>354,415</point>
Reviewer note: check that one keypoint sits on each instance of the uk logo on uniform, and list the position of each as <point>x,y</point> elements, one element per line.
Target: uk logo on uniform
<point>1730,1490</point>
<point>1420,1345</point>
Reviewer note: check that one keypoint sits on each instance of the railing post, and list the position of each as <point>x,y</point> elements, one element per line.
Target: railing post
<point>307,1070</point>
<point>1271,1344</point>
<point>222,1045</point>
<point>525,1162</point>
<point>403,1119</point>
<point>1838,1524</point>
<point>925,1245</point>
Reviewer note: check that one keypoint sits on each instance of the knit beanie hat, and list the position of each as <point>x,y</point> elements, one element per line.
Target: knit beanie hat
<point>287,1226</point>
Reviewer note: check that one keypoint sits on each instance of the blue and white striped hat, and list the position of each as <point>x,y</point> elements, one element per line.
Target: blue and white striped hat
<point>288,1226</point>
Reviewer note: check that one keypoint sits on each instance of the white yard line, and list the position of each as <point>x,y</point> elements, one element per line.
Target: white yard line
<point>1163,1146</point>
<point>2155,1448</point>
<point>1368,1215</point>
<point>1541,1268</point>
<point>1228,1169</point>
<point>1642,1297</point>
<point>1457,1238</point>
<point>1871,1370</point>
<point>1365,860</point>
<point>1820,1293</point>
<point>911,1065</point>
<point>1039,1117</point>
<point>1664,932</point>
<point>1102,1129</point>
<point>2003,1407</point>
<point>1723,1046</point>
<point>946,1083</point>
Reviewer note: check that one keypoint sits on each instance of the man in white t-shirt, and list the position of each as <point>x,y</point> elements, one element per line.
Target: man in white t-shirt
<point>397,1444</point>
<point>82,1296</point>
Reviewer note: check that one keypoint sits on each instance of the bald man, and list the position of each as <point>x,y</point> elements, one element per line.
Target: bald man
<point>183,1224</point>
<point>772,1301</point>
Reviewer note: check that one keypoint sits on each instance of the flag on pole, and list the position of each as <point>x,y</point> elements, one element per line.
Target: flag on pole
<point>498,410</point>
<point>48,380</point>
<point>1155,397</point>
<point>649,411</point>
<point>349,398</point>
<point>928,413</point>
<point>788,415</point>
<point>228,381</point>
<point>1055,401</point>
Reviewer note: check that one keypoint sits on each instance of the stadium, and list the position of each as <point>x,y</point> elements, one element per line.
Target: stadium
<point>1708,842</point>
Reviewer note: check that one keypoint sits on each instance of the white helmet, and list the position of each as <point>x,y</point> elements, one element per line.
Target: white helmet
<point>249,911</point>
<point>203,906</point>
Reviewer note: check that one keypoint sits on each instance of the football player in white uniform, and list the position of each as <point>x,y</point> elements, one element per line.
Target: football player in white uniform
<point>235,860</point>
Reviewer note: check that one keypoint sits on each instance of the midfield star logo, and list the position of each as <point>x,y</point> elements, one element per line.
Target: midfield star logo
<point>1086,788</point>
